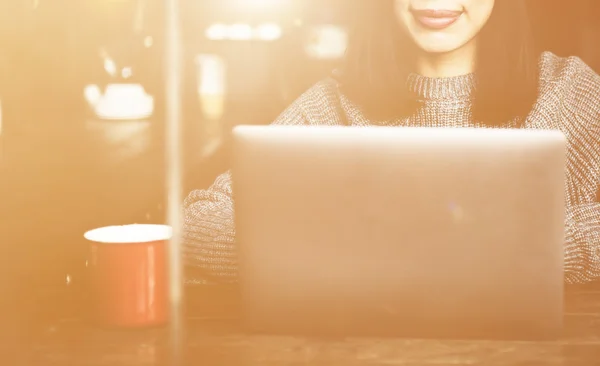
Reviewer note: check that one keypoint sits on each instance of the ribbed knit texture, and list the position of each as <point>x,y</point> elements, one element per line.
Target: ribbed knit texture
<point>569,100</point>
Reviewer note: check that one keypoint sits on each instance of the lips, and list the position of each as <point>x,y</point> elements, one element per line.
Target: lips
<point>436,19</point>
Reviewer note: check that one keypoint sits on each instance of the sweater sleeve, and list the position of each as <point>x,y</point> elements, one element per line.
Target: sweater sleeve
<point>582,244</point>
<point>209,250</point>
<point>582,226</point>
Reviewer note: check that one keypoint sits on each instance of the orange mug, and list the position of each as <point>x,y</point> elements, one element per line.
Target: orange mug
<point>128,275</point>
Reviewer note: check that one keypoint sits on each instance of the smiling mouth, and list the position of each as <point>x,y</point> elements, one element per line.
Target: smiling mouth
<point>436,19</point>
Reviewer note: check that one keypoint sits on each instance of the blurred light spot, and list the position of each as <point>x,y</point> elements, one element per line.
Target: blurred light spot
<point>92,94</point>
<point>120,101</point>
<point>126,72</point>
<point>240,32</point>
<point>298,22</point>
<point>268,32</point>
<point>211,74</point>
<point>211,94</point>
<point>110,67</point>
<point>148,42</point>
<point>326,42</point>
<point>68,280</point>
<point>217,32</point>
<point>243,32</point>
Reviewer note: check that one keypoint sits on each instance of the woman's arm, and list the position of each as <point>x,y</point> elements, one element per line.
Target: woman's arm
<point>209,248</point>
<point>208,231</point>
<point>582,245</point>
<point>210,252</point>
<point>581,110</point>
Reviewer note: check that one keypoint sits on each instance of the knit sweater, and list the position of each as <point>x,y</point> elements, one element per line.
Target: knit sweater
<point>568,100</point>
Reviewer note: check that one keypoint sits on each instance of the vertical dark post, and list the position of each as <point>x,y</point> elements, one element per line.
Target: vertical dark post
<point>174,163</point>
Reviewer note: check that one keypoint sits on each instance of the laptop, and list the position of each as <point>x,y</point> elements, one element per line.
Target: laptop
<point>390,231</point>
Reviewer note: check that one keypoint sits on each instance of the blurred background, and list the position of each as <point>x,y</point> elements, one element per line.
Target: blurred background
<point>81,96</point>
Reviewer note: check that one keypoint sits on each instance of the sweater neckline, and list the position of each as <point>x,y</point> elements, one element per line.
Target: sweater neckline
<point>455,87</point>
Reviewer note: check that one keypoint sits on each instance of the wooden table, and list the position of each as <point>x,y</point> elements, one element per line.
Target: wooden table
<point>215,337</point>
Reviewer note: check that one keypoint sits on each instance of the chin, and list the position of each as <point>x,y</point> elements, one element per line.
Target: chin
<point>439,45</point>
<point>437,49</point>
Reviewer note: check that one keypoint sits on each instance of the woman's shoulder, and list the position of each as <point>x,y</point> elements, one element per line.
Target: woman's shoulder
<point>323,94</point>
<point>568,73</point>
<point>573,87</point>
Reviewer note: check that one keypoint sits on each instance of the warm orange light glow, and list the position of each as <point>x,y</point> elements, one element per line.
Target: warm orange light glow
<point>110,66</point>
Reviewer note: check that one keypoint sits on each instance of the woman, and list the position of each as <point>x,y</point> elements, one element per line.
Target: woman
<point>458,63</point>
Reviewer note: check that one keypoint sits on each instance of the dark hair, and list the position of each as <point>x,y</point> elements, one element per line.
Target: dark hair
<point>374,75</point>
